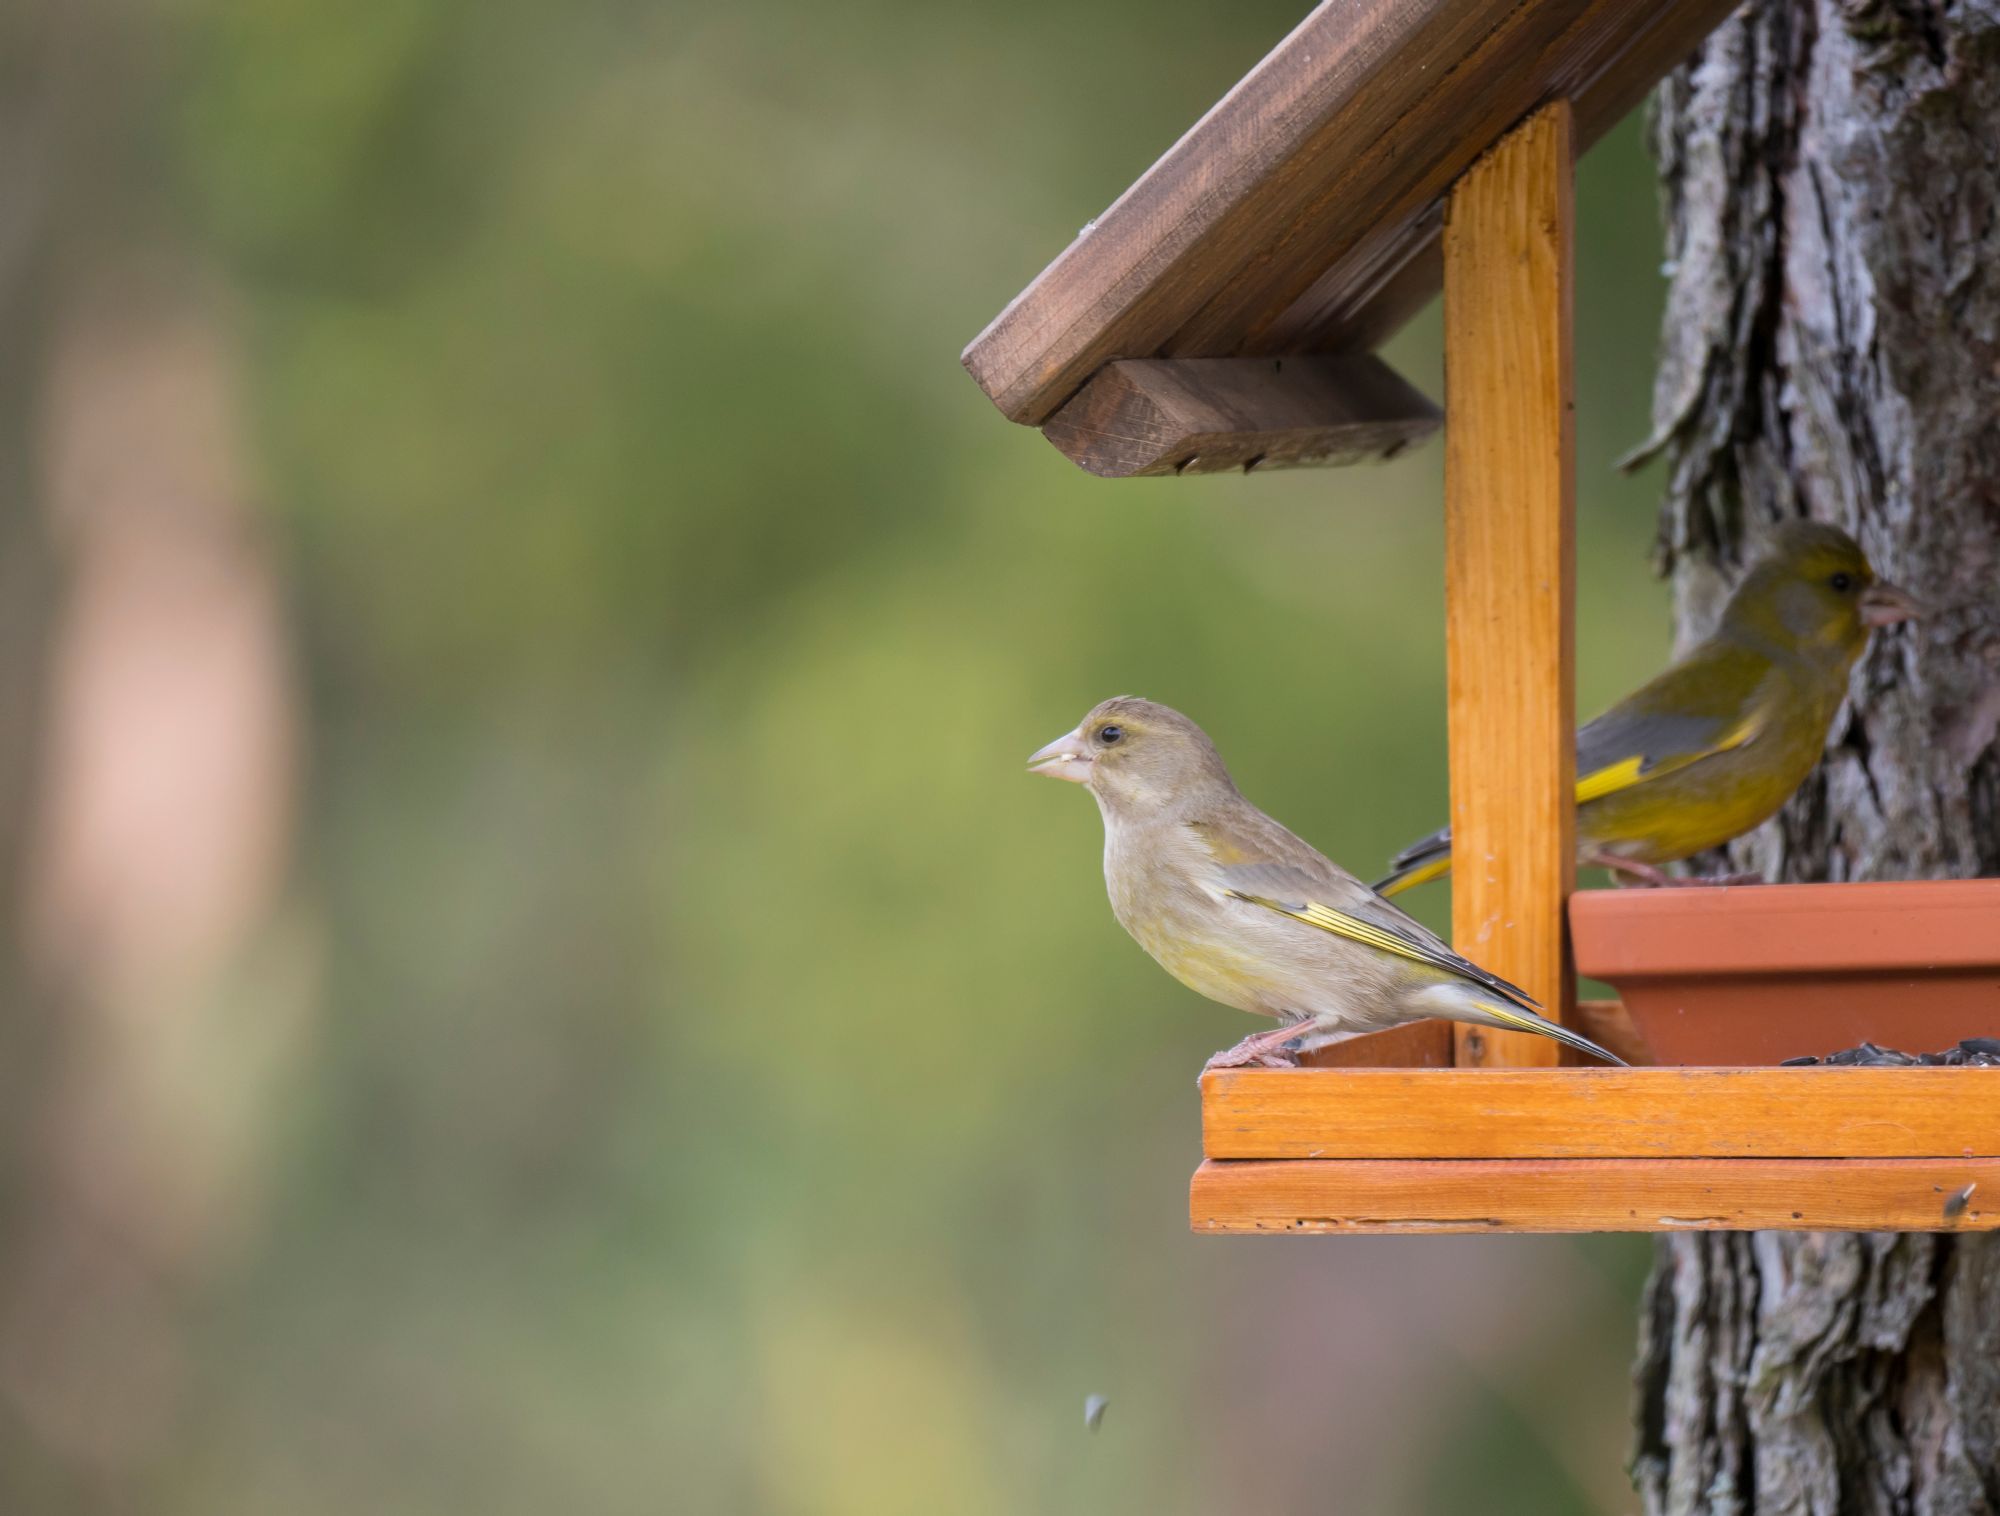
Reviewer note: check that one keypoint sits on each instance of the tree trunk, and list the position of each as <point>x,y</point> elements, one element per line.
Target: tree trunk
<point>1832,349</point>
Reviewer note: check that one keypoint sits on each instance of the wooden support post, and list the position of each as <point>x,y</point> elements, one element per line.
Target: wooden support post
<point>1510,569</point>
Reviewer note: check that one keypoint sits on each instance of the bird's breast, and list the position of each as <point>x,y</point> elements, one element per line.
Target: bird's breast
<point>1160,895</point>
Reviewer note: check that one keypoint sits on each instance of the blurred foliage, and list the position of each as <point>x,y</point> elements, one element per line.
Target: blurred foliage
<point>730,1092</point>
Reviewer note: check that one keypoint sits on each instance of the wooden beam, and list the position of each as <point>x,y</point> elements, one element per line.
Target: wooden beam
<point>1601,1113</point>
<point>1608,1195</point>
<point>1510,569</point>
<point>1144,416</point>
<point>1301,214</point>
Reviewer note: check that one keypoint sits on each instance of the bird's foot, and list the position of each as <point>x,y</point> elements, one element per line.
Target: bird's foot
<point>1626,871</point>
<point>1272,1049</point>
<point>1645,876</point>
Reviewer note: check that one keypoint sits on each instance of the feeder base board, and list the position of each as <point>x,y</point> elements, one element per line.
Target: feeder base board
<point>1386,1196</point>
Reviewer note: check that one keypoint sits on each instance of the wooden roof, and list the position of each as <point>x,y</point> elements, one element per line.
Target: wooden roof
<point>1300,217</point>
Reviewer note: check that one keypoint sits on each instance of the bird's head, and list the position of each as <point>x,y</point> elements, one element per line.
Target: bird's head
<point>1135,755</point>
<point>1815,592</point>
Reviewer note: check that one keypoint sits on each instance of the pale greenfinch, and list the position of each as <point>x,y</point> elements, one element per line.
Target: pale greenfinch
<point>1716,744</point>
<point>1239,909</point>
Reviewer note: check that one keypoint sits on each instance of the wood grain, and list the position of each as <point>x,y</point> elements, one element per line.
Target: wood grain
<point>1301,213</point>
<point>1601,1113</point>
<point>1608,1195</point>
<point>1212,415</point>
<point>1510,570</point>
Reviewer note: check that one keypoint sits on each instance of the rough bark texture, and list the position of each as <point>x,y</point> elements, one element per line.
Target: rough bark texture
<point>1832,349</point>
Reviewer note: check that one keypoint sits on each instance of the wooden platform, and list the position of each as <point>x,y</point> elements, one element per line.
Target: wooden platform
<point>1391,1139</point>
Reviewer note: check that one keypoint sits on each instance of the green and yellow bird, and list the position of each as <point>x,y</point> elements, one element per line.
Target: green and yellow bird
<point>1240,910</point>
<point>1716,744</point>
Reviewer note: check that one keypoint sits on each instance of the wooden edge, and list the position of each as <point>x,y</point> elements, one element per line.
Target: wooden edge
<point>1152,416</point>
<point>1605,1195</point>
<point>1601,1113</point>
<point>1419,1045</point>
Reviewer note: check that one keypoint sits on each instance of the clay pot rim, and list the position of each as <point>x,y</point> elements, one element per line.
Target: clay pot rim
<point>1821,930</point>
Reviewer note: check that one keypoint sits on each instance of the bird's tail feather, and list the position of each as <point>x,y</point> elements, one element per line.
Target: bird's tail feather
<point>1515,1018</point>
<point>1419,863</point>
<point>1414,875</point>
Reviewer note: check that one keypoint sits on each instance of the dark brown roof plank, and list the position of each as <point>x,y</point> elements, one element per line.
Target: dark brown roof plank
<point>1300,214</point>
<point>1147,416</point>
<point>1603,65</point>
<point>1130,281</point>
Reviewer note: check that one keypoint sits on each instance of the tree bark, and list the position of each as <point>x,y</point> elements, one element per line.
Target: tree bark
<point>1831,349</point>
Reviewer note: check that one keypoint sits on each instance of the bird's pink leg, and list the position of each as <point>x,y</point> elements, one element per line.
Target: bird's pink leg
<point>1717,881</point>
<point>1624,871</point>
<point>1261,1050</point>
<point>1628,871</point>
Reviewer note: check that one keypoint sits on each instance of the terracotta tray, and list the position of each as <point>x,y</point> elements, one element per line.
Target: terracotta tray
<point>1762,973</point>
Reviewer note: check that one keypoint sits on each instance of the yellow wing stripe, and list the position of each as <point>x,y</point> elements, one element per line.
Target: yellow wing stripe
<point>1605,781</point>
<point>1312,913</point>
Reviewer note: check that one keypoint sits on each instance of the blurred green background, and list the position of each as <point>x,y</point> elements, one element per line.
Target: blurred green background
<point>540,981</point>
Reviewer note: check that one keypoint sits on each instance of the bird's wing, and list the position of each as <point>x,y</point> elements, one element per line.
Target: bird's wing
<point>1718,699</point>
<point>1355,929</point>
<point>1310,888</point>
<point>1671,723</point>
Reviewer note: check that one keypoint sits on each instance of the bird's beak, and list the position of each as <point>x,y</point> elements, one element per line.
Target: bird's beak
<point>1065,758</point>
<point>1884,604</point>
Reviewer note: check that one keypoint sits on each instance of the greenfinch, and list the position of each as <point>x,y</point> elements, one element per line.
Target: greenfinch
<point>1240,910</point>
<point>1716,744</point>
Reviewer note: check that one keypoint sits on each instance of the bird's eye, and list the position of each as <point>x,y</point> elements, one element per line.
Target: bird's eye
<point>1109,734</point>
<point>1842,583</point>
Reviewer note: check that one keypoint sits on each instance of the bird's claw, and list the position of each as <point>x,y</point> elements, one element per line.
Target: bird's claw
<point>1693,881</point>
<point>1229,1058</point>
<point>1275,1049</point>
<point>1644,876</point>
<point>1719,881</point>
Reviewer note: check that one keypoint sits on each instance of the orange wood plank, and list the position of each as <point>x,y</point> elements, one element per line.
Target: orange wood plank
<point>1604,1195</point>
<point>1601,1113</point>
<point>1510,569</point>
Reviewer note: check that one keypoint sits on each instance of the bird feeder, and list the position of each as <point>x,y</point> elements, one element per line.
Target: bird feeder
<point>1223,315</point>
